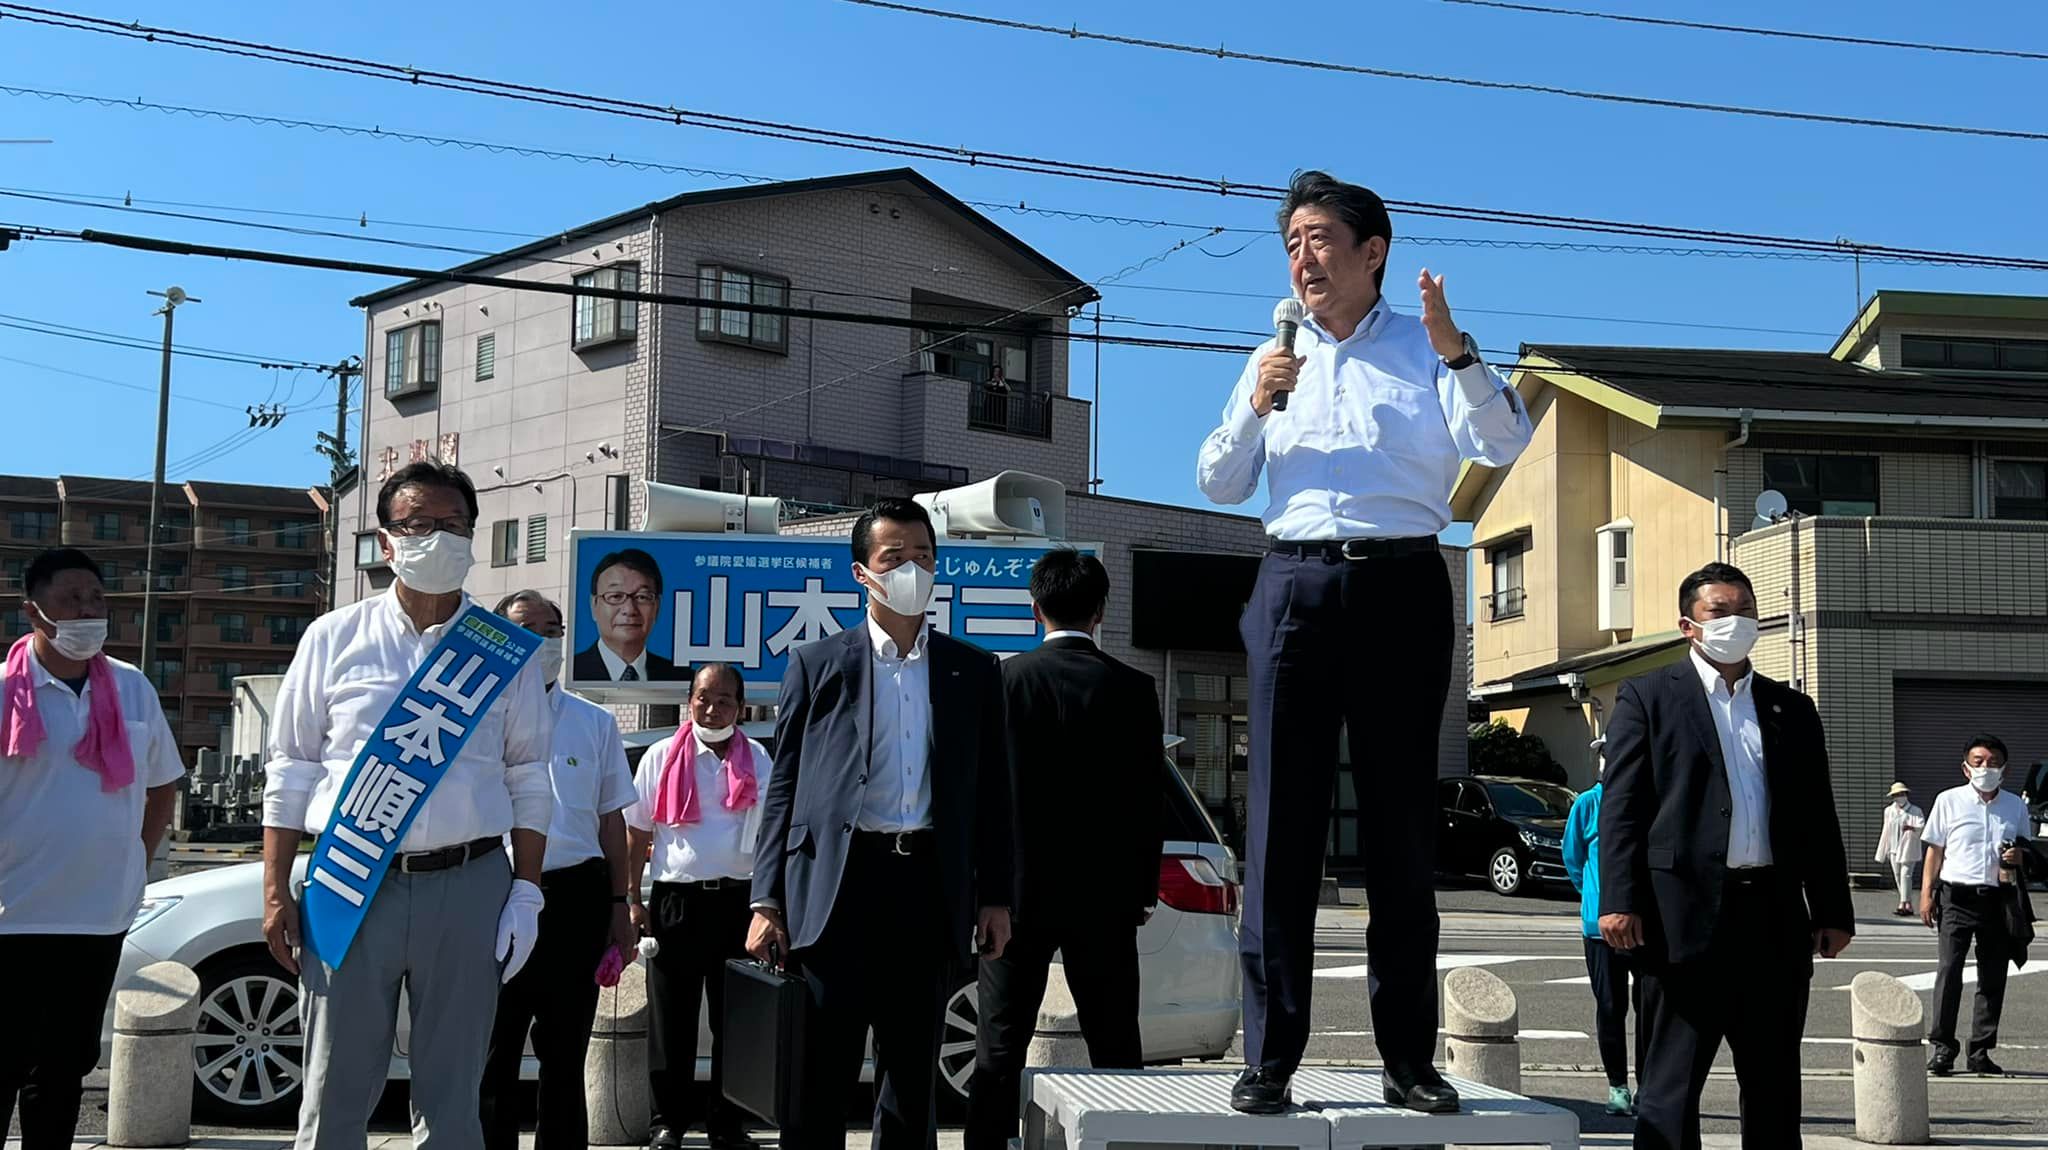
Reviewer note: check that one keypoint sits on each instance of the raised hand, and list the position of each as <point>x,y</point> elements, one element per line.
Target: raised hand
<point>1443,331</point>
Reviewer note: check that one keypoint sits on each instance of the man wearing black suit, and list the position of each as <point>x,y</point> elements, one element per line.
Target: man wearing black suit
<point>1721,868</point>
<point>884,859</point>
<point>625,603</point>
<point>1085,740</point>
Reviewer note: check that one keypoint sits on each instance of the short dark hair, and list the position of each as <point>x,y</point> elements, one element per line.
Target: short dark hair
<point>1689,591</point>
<point>529,596</point>
<point>53,562</point>
<point>632,559</point>
<point>1359,207</point>
<point>1990,743</point>
<point>1069,586</point>
<point>895,510</point>
<point>739,685</point>
<point>426,474</point>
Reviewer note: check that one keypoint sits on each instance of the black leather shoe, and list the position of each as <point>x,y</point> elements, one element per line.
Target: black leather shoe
<point>1941,1064</point>
<point>1261,1091</point>
<point>664,1138</point>
<point>1982,1064</point>
<point>1424,1090</point>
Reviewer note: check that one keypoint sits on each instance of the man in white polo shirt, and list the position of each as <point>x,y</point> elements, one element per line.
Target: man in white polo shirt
<point>584,878</point>
<point>88,776</point>
<point>1970,835</point>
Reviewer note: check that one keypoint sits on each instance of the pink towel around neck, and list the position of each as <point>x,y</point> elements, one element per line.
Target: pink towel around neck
<point>105,745</point>
<point>675,795</point>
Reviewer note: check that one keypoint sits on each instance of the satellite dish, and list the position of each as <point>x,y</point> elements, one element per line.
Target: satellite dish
<point>1771,506</point>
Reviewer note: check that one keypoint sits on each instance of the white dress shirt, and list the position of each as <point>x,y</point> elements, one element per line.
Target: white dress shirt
<point>1370,443</point>
<point>349,668</point>
<point>899,791</point>
<point>71,859</point>
<point>721,843</point>
<point>588,774</point>
<point>1051,635</point>
<point>615,667</point>
<point>1969,832</point>
<point>1742,751</point>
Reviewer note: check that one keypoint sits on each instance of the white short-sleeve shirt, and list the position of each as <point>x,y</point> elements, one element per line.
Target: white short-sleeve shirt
<point>1969,832</point>
<point>588,771</point>
<point>721,844</point>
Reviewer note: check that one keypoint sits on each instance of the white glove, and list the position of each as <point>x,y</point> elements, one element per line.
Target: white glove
<point>518,926</point>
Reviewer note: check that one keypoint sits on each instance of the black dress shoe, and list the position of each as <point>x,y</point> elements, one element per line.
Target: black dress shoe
<point>1424,1090</point>
<point>1261,1091</point>
<point>664,1138</point>
<point>1941,1064</point>
<point>1982,1064</point>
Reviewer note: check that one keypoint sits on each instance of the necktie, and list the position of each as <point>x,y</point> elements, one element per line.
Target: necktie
<point>629,675</point>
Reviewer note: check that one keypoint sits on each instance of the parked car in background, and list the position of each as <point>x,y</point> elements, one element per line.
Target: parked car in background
<point>1508,831</point>
<point>248,1054</point>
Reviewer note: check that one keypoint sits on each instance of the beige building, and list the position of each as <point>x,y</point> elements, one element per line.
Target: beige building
<point>1904,584</point>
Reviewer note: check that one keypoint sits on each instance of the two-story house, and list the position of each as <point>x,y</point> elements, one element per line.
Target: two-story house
<point>1900,560</point>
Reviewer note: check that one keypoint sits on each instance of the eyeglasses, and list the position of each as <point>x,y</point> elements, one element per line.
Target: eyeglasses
<point>618,598</point>
<point>426,525</point>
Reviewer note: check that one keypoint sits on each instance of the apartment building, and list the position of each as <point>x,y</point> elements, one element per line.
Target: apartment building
<point>1901,569</point>
<point>241,571</point>
<point>556,404</point>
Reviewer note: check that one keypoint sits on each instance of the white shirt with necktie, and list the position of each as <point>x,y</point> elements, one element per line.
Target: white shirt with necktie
<point>1742,754</point>
<point>615,667</point>
<point>899,790</point>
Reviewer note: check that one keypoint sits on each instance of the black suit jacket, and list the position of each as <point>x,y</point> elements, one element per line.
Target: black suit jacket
<point>823,747</point>
<point>589,667</point>
<point>1665,811</point>
<point>1085,745</point>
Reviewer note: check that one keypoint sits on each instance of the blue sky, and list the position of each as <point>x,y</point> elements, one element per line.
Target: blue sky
<point>832,65</point>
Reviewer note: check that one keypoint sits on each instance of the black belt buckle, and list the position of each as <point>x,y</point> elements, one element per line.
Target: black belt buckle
<point>900,843</point>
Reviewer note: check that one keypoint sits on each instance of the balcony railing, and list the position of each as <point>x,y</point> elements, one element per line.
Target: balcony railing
<point>1010,412</point>
<point>1505,604</point>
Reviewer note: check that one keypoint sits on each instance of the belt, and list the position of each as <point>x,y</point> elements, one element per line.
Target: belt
<point>1751,875</point>
<point>1331,550</point>
<point>1971,889</point>
<point>904,843</point>
<point>690,884</point>
<point>419,862</point>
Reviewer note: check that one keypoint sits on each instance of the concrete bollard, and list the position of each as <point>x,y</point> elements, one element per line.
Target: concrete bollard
<point>615,1089</point>
<point>1886,1018</point>
<point>1480,1021</point>
<point>1056,1040</point>
<point>149,1090</point>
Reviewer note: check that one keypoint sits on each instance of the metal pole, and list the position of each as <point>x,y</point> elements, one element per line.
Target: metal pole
<point>172,298</point>
<point>1095,476</point>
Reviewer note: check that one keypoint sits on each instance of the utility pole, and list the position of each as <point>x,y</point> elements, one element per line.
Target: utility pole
<point>335,448</point>
<point>172,297</point>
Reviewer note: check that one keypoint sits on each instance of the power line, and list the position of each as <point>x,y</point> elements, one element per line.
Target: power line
<point>139,343</point>
<point>181,398</point>
<point>1782,33</point>
<point>1222,53</point>
<point>770,129</point>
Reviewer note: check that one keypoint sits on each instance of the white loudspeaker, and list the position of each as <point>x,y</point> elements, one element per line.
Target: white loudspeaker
<point>693,509</point>
<point>1009,503</point>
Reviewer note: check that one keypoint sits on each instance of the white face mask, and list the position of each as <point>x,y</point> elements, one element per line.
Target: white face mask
<point>548,657</point>
<point>1900,802</point>
<point>433,564</point>
<point>1727,640</point>
<point>79,639</point>
<point>714,735</point>
<point>906,589</point>
<point>1986,779</point>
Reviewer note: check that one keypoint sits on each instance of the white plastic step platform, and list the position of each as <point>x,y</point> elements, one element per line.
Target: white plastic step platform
<point>1333,1110</point>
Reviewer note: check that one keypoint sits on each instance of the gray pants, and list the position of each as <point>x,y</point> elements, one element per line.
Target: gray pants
<point>434,935</point>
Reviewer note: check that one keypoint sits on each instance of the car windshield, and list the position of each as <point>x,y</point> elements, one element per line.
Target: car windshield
<point>1530,800</point>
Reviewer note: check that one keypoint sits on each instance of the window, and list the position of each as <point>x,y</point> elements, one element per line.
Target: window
<point>504,542</point>
<point>997,360</point>
<point>487,355</point>
<point>236,531</point>
<point>106,525</point>
<point>232,578</point>
<point>1942,352</point>
<point>165,622</point>
<point>285,629</point>
<point>1506,561</point>
<point>1472,799</point>
<point>2020,489</point>
<point>295,534</point>
<point>234,626</point>
<point>753,329</point>
<point>11,570</point>
<point>368,552</point>
<point>1824,484</point>
<point>172,713</point>
<point>216,717</point>
<point>1616,607</point>
<point>225,674</point>
<point>412,359</point>
<point>171,525</point>
<point>31,524</point>
<point>165,670</point>
<point>288,584</point>
<point>536,538</point>
<point>601,320</point>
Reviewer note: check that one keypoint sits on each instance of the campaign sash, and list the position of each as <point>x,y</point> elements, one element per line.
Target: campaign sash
<point>404,759</point>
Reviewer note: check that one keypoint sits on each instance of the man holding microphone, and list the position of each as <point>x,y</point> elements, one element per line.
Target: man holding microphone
<point>1349,624</point>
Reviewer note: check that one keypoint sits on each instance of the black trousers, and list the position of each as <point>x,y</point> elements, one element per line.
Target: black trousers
<point>884,961</point>
<point>1364,646</point>
<point>555,995</point>
<point>1099,954</point>
<point>50,1034</point>
<point>1967,913</point>
<point>1614,992</point>
<point>1750,988</point>
<point>699,928</point>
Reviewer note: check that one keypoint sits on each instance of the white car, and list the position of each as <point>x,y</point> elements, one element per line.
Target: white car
<point>248,1057</point>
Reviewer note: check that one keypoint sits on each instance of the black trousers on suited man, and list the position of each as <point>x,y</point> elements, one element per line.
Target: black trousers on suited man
<point>555,994</point>
<point>1362,645</point>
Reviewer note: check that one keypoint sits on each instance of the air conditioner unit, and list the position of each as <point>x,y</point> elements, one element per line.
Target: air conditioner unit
<point>1009,503</point>
<point>692,509</point>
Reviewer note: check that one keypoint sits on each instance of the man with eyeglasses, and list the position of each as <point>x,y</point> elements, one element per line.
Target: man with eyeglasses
<point>625,603</point>
<point>453,916</point>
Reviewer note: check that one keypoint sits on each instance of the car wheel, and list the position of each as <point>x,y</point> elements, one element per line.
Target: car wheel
<point>1505,872</point>
<point>956,1047</point>
<point>248,1051</point>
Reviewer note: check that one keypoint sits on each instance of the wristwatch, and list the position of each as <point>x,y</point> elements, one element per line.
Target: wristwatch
<point>1470,357</point>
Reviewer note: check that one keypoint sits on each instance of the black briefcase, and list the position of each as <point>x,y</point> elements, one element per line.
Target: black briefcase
<point>763,1046</point>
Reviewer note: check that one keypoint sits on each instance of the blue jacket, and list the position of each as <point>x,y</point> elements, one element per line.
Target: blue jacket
<point>1581,857</point>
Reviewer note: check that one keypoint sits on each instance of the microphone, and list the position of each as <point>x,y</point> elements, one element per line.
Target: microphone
<point>1286,320</point>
